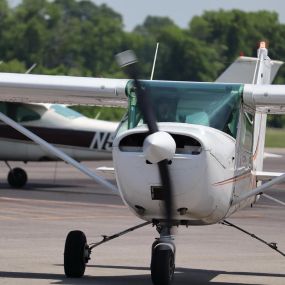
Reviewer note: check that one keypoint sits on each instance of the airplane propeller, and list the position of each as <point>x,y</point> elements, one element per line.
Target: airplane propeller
<point>161,144</point>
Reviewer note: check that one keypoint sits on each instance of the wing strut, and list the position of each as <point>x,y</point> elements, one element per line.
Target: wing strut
<point>273,199</point>
<point>58,153</point>
<point>264,187</point>
<point>272,245</point>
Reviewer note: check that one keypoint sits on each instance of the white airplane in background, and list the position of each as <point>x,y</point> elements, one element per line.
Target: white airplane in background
<point>199,164</point>
<point>78,136</point>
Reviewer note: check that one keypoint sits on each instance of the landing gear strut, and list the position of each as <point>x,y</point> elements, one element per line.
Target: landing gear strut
<point>77,252</point>
<point>17,177</point>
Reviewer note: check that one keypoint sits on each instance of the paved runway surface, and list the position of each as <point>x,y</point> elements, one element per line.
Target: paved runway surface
<point>34,222</point>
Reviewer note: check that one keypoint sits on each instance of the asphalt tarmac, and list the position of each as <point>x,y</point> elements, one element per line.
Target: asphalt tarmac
<point>34,222</point>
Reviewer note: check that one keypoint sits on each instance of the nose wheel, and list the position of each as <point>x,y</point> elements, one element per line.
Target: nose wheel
<point>163,258</point>
<point>162,264</point>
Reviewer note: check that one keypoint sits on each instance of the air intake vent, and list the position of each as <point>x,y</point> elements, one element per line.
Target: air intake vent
<point>187,145</point>
<point>133,143</point>
<point>184,144</point>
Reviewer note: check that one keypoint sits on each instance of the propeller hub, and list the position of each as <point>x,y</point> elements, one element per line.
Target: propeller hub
<point>159,146</point>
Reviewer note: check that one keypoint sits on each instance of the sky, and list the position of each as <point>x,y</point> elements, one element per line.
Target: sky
<point>181,11</point>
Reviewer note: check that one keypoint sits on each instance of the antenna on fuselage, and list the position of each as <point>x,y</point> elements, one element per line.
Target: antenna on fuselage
<point>154,61</point>
<point>31,68</point>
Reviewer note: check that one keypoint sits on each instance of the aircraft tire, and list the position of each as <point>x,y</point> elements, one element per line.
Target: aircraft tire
<point>75,258</point>
<point>162,265</point>
<point>17,177</point>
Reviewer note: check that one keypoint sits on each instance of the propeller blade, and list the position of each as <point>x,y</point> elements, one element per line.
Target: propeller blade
<point>129,61</point>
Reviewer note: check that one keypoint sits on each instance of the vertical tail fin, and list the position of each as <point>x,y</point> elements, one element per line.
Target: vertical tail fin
<point>243,70</point>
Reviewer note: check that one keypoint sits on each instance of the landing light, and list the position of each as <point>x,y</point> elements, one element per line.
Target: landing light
<point>140,209</point>
<point>182,211</point>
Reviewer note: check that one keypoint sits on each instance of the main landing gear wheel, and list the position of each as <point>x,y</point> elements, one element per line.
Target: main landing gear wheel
<point>17,177</point>
<point>76,254</point>
<point>162,263</point>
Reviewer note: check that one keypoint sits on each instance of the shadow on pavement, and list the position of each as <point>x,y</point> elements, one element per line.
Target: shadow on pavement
<point>182,276</point>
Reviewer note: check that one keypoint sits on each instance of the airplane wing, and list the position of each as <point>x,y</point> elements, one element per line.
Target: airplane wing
<point>16,87</point>
<point>267,98</point>
<point>33,88</point>
<point>242,70</point>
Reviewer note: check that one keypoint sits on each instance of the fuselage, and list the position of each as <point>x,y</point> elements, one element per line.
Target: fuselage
<point>78,136</point>
<point>212,164</point>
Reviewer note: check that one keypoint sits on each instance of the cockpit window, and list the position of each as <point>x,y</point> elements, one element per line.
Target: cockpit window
<point>209,104</point>
<point>66,112</point>
<point>19,112</point>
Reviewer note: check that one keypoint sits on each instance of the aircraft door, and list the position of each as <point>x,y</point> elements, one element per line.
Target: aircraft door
<point>246,140</point>
<point>244,156</point>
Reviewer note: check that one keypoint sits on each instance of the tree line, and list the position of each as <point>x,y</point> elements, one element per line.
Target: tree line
<point>81,38</point>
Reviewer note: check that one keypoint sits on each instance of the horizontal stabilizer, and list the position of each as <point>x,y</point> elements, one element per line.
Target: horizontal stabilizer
<point>265,98</point>
<point>106,170</point>
<point>266,175</point>
<point>272,155</point>
<point>242,70</point>
<point>72,90</point>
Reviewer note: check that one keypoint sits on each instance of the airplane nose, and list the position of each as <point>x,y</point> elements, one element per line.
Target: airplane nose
<point>201,171</point>
<point>159,146</point>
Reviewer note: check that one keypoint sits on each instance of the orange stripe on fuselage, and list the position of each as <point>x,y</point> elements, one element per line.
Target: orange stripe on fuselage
<point>233,179</point>
<point>257,144</point>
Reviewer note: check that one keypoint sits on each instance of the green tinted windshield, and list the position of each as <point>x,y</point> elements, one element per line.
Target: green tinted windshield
<point>209,104</point>
<point>65,111</point>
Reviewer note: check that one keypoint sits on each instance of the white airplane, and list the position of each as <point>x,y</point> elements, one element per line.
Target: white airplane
<point>198,165</point>
<point>78,136</point>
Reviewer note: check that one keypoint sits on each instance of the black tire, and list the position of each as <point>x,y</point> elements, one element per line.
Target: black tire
<point>162,265</point>
<point>75,258</point>
<point>17,177</point>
